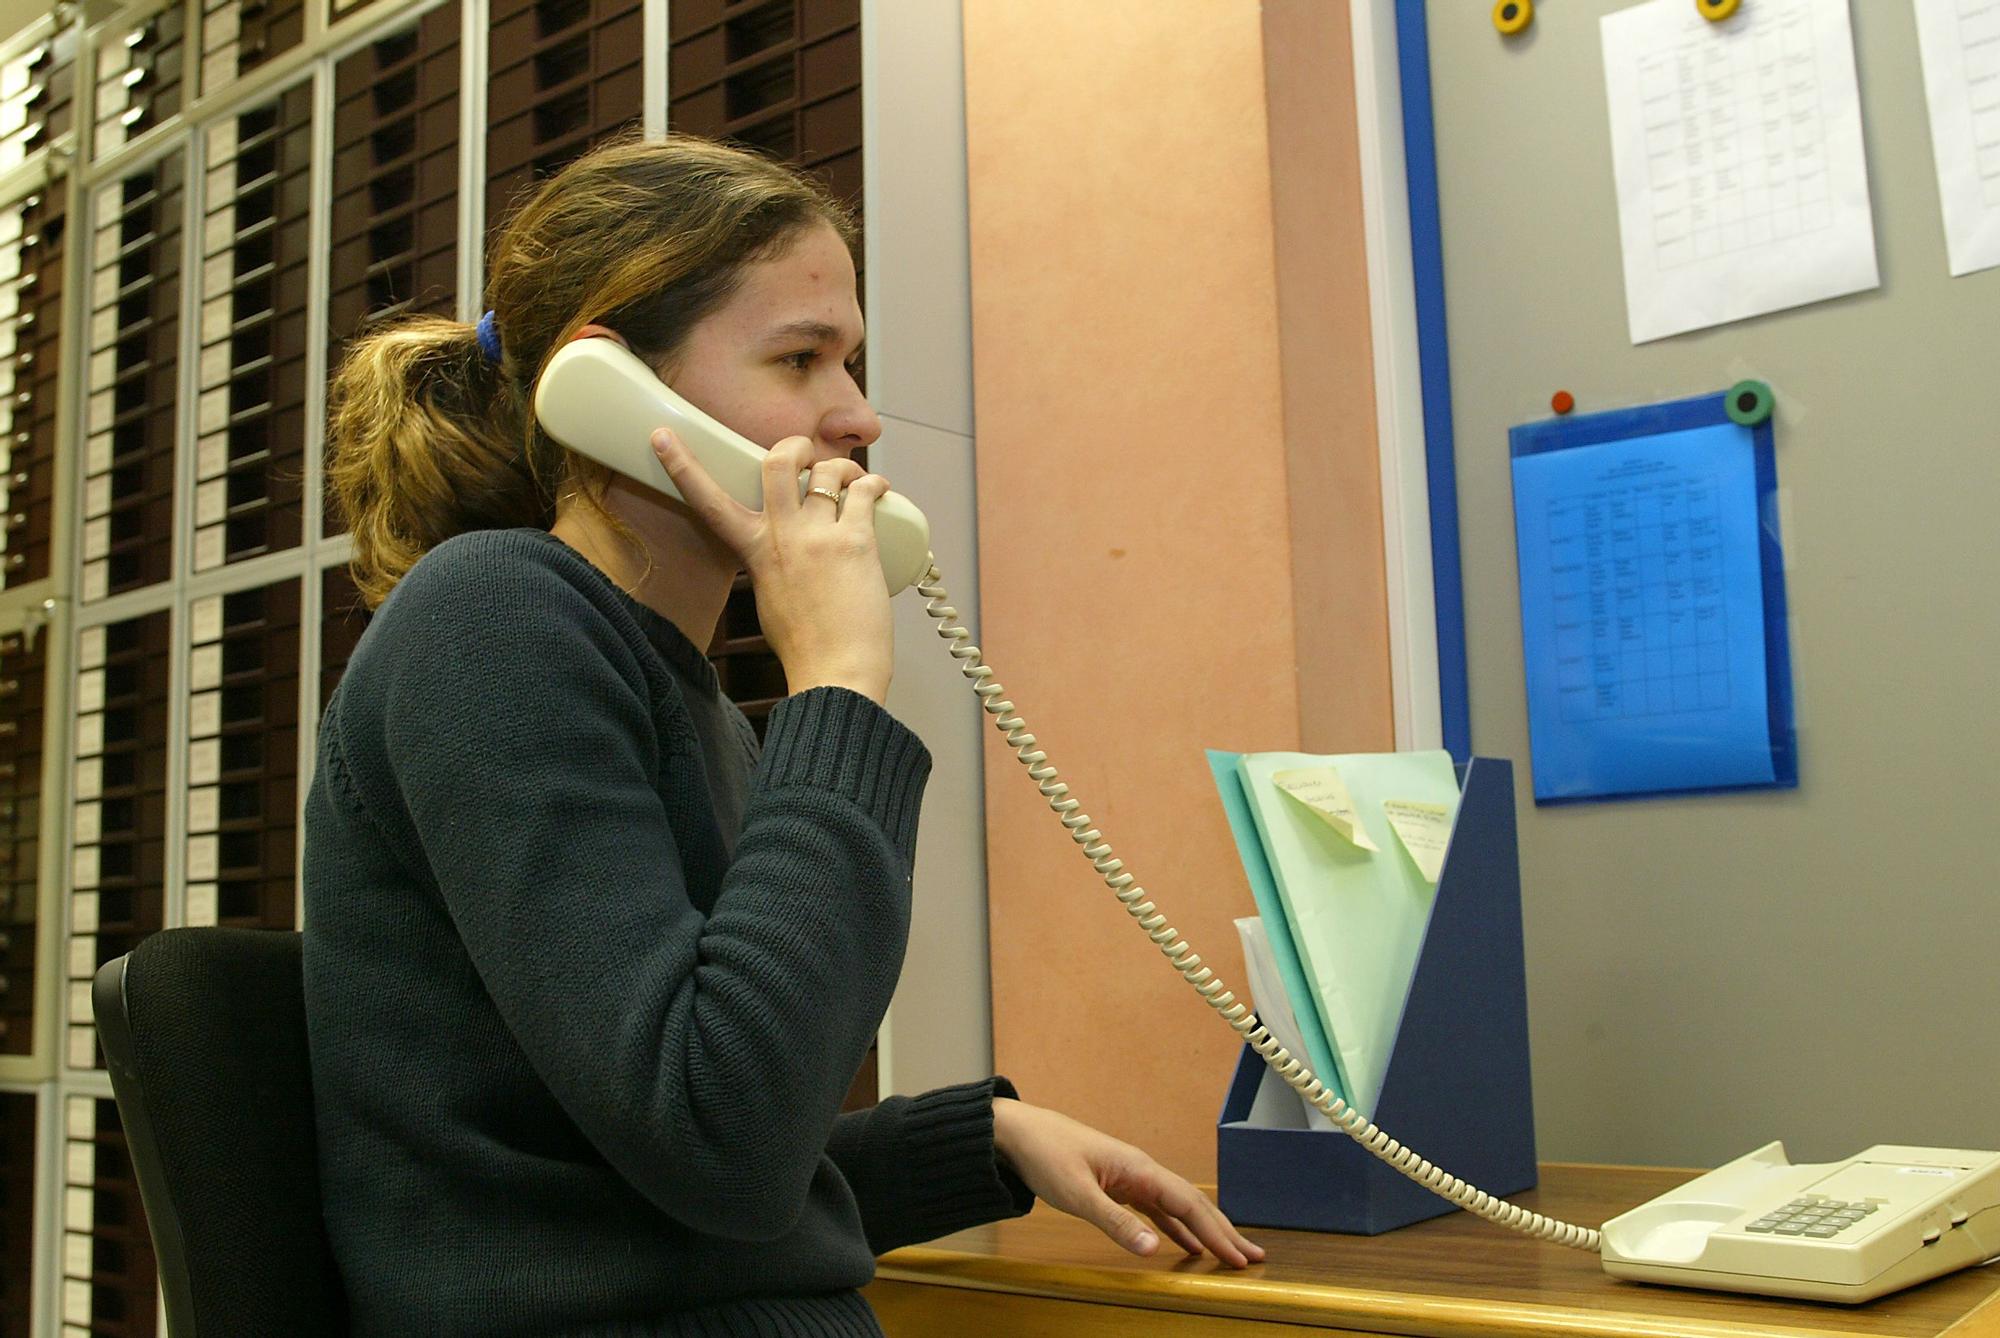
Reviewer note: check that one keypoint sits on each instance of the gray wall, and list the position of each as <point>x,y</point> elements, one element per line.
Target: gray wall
<point>1822,965</point>
<point>919,300</point>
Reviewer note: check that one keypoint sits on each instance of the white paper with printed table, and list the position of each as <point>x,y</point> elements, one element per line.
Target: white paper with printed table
<point>1357,915</point>
<point>1737,151</point>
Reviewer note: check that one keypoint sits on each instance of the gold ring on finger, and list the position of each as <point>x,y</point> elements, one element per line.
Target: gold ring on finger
<point>826,492</point>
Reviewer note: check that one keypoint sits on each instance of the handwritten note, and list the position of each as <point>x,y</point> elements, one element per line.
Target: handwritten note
<point>1325,795</point>
<point>1424,830</point>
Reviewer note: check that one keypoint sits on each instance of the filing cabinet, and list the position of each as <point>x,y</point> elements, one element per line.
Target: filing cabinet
<point>139,77</point>
<point>243,758</point>
<point>37,96</point>
<point>239,35</point>
<point>23,712</point>
<point>118,828</point>
<point>109,1276</point>
<point>395,210</point>
<point>342,620</point>
<point>132,356</point>
<point>562,74</point>
<point>783,76</point>
<point>18,1142</point>
<point>250,377</point>
<point>31,288</point>
<point>395,174</point>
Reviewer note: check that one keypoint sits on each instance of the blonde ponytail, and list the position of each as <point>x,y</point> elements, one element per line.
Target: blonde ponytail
<point>427,442</point>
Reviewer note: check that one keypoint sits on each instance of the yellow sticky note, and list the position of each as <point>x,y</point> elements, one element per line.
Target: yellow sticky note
<point>1425,830</point>
<point>1325,795</point>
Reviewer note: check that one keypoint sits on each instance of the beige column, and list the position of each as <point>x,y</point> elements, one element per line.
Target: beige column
<point>1179,532</point>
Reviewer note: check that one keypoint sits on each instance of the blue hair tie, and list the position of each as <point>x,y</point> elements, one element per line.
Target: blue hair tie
<point>489,338</point>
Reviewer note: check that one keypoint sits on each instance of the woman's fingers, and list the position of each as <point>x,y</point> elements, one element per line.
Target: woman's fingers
<point>1193,1208</point>
<point>1117,1221</point>
<point>782,467</point>
<point>858,505</point>
<point>1175,1230</point>
<point>829,476</point>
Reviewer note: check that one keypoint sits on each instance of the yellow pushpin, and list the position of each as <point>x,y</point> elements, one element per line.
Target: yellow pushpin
<point>1510,16</point>
<point>1715,11</point>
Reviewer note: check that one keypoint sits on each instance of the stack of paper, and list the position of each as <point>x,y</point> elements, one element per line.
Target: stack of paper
<point>1274,1010</point>
<point>1343,854</point>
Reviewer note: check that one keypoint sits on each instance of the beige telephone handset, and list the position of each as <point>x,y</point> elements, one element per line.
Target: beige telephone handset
<point>1846,1232</point>
<point>597,398</point>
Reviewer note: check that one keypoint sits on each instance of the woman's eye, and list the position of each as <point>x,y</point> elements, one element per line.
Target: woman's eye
<point>800,361</point>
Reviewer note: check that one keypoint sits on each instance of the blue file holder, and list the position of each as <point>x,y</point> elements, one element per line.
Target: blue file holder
<point>1457,1090</point>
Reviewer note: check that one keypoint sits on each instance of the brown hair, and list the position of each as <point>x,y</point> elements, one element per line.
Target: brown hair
<point>428,438</point>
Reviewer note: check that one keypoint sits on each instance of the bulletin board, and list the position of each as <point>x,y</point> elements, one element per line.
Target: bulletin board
<point>1710,972</point>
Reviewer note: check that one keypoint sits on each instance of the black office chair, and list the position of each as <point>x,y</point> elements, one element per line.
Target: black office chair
<point>204,1032</point>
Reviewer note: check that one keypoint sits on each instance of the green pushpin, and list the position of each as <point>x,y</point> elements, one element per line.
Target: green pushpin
<point>1748,402</point>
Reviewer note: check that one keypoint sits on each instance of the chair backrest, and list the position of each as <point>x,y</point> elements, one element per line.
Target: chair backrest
<point>204,1032</point>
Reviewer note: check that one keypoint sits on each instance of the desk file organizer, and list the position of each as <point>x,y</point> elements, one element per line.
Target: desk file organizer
<point>1457,1089</point>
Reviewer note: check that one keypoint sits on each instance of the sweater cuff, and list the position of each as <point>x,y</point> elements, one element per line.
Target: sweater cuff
<point>831,738</point>
<point>949,1134</point>
<point>1017,1188</point>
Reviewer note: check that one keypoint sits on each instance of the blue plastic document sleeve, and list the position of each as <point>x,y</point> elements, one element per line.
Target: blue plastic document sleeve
<point>1652,603</point>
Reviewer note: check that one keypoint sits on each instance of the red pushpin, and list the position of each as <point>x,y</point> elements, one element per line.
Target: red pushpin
<point>1562,401</point>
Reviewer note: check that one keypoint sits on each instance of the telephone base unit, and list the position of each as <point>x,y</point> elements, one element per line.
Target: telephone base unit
<point>1846,1231</point>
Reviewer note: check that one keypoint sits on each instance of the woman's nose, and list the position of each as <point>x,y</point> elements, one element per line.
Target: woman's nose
<point>852,424</point>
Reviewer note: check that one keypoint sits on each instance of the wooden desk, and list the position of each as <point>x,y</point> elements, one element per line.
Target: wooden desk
<point>1051,1276</point>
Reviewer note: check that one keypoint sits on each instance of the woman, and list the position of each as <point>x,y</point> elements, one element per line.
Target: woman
<point>587,976</point>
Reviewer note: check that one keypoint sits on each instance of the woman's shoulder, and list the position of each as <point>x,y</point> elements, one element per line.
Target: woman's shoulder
<point>493,566</point>
<point>486,576</point>
<point>501,595</point>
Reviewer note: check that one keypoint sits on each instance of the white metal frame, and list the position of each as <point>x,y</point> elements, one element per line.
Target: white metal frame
<point>1399,410</point>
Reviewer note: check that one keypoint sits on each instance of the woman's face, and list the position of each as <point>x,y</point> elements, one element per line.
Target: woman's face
<point>776,360</point>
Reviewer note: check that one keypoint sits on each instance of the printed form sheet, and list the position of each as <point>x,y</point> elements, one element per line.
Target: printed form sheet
<point>1961,46</point>
<point>1742,188</point>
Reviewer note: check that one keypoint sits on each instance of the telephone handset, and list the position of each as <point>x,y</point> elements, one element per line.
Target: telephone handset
<point>598,398</point>
<point>1756,1225</point>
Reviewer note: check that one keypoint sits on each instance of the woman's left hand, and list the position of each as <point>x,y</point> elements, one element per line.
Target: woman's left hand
<point>1092,1175</point>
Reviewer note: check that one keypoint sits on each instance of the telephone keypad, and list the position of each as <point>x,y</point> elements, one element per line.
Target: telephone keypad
<point>1812,1216</point>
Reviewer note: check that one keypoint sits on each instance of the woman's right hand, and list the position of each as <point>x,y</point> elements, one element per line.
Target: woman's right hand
<point>812,561</point>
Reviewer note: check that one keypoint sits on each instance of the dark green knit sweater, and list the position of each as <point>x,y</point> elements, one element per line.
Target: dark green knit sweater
<point>578,1070</point>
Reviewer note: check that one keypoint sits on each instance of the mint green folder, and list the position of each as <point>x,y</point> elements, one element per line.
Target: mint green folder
<point>1277,928</point>
<point>1357,917</point>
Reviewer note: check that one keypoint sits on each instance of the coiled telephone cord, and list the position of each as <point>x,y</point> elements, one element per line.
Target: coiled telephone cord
<point>1205,982</point>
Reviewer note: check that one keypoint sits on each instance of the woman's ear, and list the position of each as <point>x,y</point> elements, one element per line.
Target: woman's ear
<point>602,332</point>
